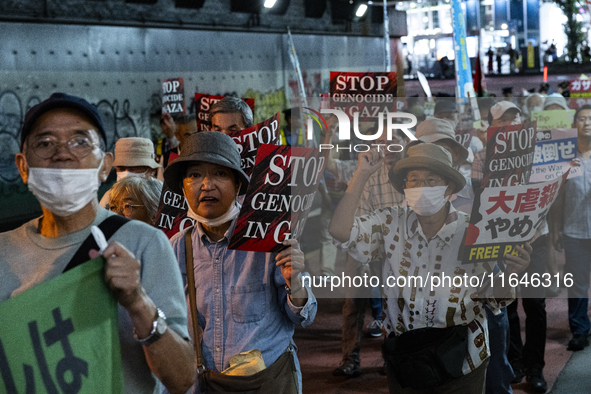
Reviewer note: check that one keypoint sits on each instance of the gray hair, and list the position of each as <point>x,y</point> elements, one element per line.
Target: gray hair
<point>146,190</point>
<point>231,105</point>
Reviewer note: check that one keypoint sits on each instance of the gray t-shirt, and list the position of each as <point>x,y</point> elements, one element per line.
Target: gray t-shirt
<point>28,258</point>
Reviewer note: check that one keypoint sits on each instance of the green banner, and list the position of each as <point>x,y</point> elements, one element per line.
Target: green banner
<point>61,336</point>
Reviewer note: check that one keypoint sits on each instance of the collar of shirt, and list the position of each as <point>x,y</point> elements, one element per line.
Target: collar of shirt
<point>205,238</point>
<point>445,233</point>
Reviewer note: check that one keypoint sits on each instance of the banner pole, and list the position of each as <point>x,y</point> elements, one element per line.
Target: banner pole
<point>293,56</point>
<point>387,55</point>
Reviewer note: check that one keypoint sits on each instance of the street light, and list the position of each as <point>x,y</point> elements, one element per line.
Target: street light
<point>361,10</point>
<point>269,3</point>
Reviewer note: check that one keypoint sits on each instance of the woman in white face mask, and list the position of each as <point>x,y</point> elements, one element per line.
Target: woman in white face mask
<point>419,243</point>
<point>244,300</point>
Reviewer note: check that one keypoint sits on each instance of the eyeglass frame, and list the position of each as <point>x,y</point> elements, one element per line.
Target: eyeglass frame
<point>126,206</point>
<point>93,145</point>
<point>423,182</point>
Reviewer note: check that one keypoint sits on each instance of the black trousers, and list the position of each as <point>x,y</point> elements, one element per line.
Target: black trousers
<point>531,352</point>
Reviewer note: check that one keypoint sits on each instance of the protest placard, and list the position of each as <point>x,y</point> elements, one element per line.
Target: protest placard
<point>203,103</point>
<point>509,154</point>
<point>580,88</point>
<point>546,120</point>
<point>507,216</point>
<point>464,137</point>
<point>279,197</point>
<point>365,93</point>
<point>250,139</point>
<point>553,155</point>
<point>580,93</point>
<point>173,96</point>
<point>61,336</point>
<point>171,216</point>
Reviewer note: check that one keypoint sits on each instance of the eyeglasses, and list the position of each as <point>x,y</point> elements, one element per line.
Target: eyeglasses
<point>431,181</point>
<point>126,209</point>
<point>46,147</point>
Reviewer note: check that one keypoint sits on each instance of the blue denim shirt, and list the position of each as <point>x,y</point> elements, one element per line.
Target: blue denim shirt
<point>241,299</point>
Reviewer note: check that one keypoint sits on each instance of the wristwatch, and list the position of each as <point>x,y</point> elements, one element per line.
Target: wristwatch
<point>159,327</point>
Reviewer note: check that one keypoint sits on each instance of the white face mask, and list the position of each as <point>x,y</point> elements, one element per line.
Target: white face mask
<point>426,201</point>
<point>125,174</point>
<point>230,215</point>
<point>64,191</point>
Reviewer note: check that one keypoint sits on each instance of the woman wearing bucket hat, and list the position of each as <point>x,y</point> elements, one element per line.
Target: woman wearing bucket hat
<point>437,336</point>
<point>134,156</point>
<point>243,300</point>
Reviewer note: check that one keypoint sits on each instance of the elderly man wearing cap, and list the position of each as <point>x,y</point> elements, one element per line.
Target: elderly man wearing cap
<point>62,161</point>
<point>423,240</point>
<point>446,108</point>
<point>244,300</point>
<point>503,113</point>
<point>134,156</point>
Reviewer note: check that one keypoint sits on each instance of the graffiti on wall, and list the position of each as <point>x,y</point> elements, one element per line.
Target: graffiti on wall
<point>266,104</point>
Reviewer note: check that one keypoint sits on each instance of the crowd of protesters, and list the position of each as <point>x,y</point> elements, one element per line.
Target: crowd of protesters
<point>400,212</point>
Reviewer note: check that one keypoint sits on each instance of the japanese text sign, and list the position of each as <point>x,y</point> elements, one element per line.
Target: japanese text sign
<point>554,152</point>
<point>507,216</point>
<point>62,336</point>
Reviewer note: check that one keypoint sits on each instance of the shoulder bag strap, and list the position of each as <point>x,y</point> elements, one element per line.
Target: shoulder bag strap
<point>192,296</point>
<point>109,226</point>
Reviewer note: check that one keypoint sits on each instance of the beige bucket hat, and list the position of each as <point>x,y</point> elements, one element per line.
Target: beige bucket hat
<point>135,152</point>
<point>430,157</point>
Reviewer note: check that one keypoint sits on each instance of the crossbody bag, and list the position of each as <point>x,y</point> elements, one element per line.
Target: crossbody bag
<point>278,378</point>
<point>426,358</point>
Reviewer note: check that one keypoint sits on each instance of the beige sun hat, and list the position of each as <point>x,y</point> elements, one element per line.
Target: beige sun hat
<point>433,130</point>
<point>135,152</point>
<point>430,157</point>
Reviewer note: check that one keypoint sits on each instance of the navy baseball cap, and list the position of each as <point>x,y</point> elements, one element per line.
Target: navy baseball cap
<point>62,100</point>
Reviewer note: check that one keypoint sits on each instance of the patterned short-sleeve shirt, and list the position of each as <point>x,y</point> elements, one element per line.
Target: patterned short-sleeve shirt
<point>411,295</point>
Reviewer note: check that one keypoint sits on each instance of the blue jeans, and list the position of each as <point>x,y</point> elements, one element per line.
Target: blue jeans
<point>499,373</point>
<point>376,303</point>
<point>578,263</point>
